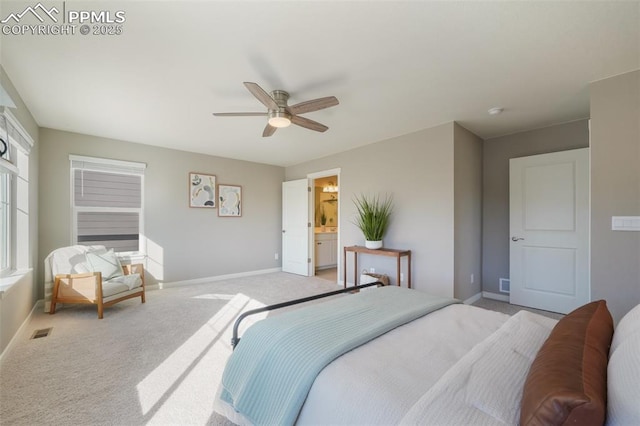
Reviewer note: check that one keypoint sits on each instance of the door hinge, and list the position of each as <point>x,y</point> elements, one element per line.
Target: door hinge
<point>308,224</point>
<point>308,260</point>
<point>308,189</point>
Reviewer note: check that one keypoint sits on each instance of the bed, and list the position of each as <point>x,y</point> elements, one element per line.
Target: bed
<point>431,360</point>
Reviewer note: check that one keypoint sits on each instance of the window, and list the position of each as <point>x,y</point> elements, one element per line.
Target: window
<point>5,219</point>
<point>14,194</point>
<point>107,199</point>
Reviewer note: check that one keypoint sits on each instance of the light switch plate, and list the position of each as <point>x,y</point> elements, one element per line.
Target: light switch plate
<point>625,223</point>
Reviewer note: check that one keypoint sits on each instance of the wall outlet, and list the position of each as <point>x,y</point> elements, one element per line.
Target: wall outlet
<point>471,279</point>
<point>276,256</point>
<point>372,270</point>
<point>401,277</point>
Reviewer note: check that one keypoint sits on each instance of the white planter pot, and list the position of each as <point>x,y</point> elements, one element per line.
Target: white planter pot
<point>374,245</point>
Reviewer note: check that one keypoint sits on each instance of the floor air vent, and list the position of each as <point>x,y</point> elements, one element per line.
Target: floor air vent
<point>41,333</point>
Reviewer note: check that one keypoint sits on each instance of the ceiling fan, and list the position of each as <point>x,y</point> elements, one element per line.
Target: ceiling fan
<point>280,114</point>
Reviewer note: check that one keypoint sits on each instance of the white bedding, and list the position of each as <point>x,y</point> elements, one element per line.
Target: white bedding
<point>485,386</point>
<point>380,381</point>
<point>458,365</point>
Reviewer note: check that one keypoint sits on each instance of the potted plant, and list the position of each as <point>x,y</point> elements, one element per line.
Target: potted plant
<point>323,218</point>
<point>373,218</point>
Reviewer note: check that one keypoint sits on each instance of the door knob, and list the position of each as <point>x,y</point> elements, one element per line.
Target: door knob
<point>516,238</point>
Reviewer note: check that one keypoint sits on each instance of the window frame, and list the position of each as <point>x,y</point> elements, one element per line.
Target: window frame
<point>105,165</point>
<point>15,165</point>
<point>6,223</point>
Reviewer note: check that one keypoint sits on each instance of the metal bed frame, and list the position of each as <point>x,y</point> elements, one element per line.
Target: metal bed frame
<point>235,339</point>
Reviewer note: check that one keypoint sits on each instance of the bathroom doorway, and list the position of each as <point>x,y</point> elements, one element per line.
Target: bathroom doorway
<point>326,246</point>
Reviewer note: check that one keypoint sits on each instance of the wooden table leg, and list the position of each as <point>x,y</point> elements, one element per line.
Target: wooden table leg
<point>344,267</point>
<point>409,269</point>
<point>355,268</point>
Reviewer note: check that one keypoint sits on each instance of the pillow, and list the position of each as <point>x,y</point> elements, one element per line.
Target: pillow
<point>82,267</point>
<point>623,407</point>
<point>567,381</point>
<point>106,263</point>
<point>628,325</point>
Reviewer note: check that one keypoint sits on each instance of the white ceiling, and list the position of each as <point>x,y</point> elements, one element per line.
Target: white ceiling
<point>396,67</point>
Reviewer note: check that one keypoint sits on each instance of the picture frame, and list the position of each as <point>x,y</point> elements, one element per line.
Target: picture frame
<point>229,200</point>
<point>202,190</point>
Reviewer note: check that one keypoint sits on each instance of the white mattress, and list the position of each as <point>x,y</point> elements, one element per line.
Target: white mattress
<point>400,366</point>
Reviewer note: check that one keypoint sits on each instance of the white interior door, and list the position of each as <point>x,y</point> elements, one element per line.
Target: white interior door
<point>296,227</point>
<point>549,224</point>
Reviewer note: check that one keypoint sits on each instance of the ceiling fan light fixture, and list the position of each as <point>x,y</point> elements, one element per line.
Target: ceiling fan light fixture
<point>280,114</point>
<point>279,119</point>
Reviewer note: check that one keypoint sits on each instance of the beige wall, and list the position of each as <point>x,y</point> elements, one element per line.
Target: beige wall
<point>417,169</point>
<point>615,190</point>
<point>468,213</point>
<point>495,188</point>
<point>183,243</point>
<point>16,303</point>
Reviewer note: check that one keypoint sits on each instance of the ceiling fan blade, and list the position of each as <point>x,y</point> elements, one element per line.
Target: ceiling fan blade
<point>261,95</point>
<point>309,124</point>
<point>240,114</point>
<point>313,105</point>
<point>268,130</point>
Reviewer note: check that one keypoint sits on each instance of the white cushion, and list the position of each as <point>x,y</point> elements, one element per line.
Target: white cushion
<point>64,260</point>
<point>623,376</point>
<point>120,284</point>
<point>81,268</point>
<point>110,288</point>
<point>80,264</point>
<point>131,281</point>
<point>106,263</point>
<point>628,325</point>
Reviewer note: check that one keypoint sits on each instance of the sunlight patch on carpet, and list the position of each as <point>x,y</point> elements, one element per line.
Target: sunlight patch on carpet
<point>187,380</point>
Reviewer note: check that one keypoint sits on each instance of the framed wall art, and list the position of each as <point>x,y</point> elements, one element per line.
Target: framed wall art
<point>230,200</point>
<point>202,190</point>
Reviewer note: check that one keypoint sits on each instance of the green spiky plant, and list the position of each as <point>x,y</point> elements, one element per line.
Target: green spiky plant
<point>373,215</point>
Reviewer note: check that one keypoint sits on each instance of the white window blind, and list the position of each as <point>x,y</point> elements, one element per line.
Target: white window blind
<point>107,202</point>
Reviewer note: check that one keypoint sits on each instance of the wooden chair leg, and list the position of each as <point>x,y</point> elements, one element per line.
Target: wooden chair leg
<point>54,295</point>
<point>100,309</point>
<point>142,297</point>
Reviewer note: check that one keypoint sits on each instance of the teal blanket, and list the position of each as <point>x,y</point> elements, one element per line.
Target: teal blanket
<point>271,371</point>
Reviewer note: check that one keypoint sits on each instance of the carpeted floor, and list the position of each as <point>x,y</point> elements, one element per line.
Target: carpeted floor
<point>153,363</point>
<point>506,308</point>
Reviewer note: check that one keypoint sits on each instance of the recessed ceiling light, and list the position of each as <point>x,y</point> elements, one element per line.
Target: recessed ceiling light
<point>495,111</point>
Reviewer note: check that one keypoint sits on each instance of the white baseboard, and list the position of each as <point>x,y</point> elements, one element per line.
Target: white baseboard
<point>205,280</point>
<point>495,296</point>
<point>37,305</point>
<point>473,299</point>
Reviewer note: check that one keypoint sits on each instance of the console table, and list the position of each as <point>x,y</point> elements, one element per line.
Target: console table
<point>398,254</point>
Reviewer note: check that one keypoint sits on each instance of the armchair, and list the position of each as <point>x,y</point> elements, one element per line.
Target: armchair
<point>93,275</point>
